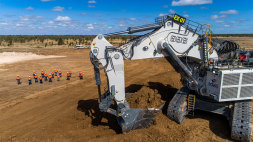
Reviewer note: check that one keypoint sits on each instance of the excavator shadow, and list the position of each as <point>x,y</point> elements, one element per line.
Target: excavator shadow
<point>218,124</point>
<point>167,92</point>
<point>91,109</point>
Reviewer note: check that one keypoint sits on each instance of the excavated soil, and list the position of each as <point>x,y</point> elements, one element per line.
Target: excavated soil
<point>146,98</point>
<point>68,110</point>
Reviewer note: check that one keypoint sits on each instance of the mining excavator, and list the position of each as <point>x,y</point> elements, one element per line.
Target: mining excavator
<point>215,77</point>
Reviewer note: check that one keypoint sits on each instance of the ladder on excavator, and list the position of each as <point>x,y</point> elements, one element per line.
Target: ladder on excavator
<point>207,46</point>
<point>191,104</point>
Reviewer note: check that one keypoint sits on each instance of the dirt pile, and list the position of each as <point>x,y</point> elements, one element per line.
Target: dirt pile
<point>146,98</point>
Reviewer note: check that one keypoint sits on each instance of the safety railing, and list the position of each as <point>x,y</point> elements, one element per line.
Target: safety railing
<point>189,24</point>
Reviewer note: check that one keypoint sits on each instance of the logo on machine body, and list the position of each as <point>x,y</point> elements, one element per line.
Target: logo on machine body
<point>213,84</point>
<point>178,39</point>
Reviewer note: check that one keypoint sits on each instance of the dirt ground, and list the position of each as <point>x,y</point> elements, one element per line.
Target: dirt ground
<point>68,110</point>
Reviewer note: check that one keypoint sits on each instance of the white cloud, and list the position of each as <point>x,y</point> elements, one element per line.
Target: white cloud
<point>230,12</point>
<point>91,6</point>
<point>226,25</point>
<point>122,25</point>
<point>186,15</point>
<point>3,23</point>
<point>63,18</point>
<point>25,18</point>
<point>162,14</point>
<point>20,24</point>
<point>215,17</point>
<point>50,22</point>
<point>203,7</point>
<point>90,26</point>
<point>190,2</point>
<point>165,6</point>
<point>31,18</point>
<point>238,21</point>
<point>46,0</point>
<point>29,8</point>
<point>58,9</point>
<point>132,19</point>
<point>172,11</point>
<point>39,17</point>
<point>220,21</point>
<point>91,1</point>
<point>62,24</point>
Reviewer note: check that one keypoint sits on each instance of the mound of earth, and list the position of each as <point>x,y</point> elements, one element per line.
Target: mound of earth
<point>146,98</point>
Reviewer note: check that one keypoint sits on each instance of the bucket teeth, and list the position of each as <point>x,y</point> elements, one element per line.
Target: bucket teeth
<point>132,119</point>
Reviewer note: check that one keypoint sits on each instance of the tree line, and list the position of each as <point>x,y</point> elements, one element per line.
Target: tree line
<point>72,40</point>
<point>57,39</point>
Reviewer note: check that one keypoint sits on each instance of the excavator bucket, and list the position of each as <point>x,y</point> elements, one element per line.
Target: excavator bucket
<point>132,119</point>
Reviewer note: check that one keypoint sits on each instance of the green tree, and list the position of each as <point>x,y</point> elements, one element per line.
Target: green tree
<point>60,41</point>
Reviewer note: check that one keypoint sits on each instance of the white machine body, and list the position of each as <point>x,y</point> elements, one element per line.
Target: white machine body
<point>230,84</point>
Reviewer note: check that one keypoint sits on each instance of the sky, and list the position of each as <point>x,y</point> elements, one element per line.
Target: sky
<point>91,17</point>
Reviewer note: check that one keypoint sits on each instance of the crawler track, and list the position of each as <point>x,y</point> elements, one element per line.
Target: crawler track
<point>241,128</point>
<point>177,109</point>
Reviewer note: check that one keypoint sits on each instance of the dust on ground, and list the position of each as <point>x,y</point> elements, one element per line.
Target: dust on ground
<point>12,57</point>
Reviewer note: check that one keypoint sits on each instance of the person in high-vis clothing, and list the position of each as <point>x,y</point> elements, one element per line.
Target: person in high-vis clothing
<point>29,80</point>
<point>40,78</point>
<point>55,72</point>
<point>49,78</point>
<point>42,74</point>
<point>36,78</point>
<point>81,75</point>
<point>60,73</point>
<point>58,77</point>
<point>68,76</point>
<point>18,78</point>
<point>34,73</point>
<point>45,76</point>
<point>52,73</point>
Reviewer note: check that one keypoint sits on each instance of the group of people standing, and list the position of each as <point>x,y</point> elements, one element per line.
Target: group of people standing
<point>56,74</point>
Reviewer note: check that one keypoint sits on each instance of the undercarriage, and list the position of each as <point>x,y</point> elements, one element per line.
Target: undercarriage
<point>238,114</point>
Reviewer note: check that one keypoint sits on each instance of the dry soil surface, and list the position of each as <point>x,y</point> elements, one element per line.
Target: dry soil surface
<point>68,110</point>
